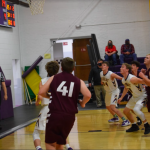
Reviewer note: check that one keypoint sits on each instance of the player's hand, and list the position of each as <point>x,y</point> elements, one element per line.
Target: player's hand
<point>119,100</point>
<point>90,84</point>
<point>37,103</point>
<point>5,97</point>
<point>81,103</point>
<point>143,71</point>
<point>141,74</point>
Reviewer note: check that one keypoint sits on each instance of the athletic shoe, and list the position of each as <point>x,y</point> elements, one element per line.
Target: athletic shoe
<point>69,148</point>
<point>125,123</point>
<point>40,149</point>
<point>139,122</point>
<point>147,128</point>
<point>133,128</point>
<point>113,120</point>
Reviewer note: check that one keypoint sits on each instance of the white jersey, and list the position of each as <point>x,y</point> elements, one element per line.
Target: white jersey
<point>136,90</point>
<point>45,101</point>
<point>109,85</point>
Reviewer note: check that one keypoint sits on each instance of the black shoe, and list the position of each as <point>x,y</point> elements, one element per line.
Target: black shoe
<point>147,128</point>
<point>133,128</point>
<point>0,128</point>
<point>139,121</point>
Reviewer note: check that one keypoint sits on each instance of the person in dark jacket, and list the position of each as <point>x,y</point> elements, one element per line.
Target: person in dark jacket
<point>127,51</point>
<point>98,88</point>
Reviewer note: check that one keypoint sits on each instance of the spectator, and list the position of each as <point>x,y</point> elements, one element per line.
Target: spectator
<point>110,52</point>
<point>98,88</point>
<point>127,51</point>
<point>2,84</point>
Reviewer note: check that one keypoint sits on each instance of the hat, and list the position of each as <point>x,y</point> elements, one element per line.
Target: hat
<point>127,40</point>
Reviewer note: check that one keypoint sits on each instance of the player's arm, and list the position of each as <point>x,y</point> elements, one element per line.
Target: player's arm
<point>145,79</point>
<point>135,80</point>
<point>5,90</point>
<point>86,94</point>
<point>113,76</point>
<point>45,88</point>
<point>39,96</point>
<point>125,90</point>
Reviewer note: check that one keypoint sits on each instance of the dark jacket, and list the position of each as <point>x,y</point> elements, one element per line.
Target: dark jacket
<point>95,75</point>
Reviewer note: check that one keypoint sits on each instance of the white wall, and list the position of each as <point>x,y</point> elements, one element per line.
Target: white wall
<point>9,49</point>
<point>31,36</point>
<point>95,16</point>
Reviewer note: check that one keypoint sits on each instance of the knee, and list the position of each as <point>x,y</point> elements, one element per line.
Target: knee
<point>113,108</point>
<point>36,134</point>
<point>121,56</point>
<point>136,110</point>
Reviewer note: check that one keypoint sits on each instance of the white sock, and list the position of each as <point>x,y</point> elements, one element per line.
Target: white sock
<point>134,123</point>
<point>38,147</point>
<point>145,122</point>
<point>67,146</point>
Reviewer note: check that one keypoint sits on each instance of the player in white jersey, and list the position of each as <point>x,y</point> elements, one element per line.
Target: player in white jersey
<point>108,79</point>
<point>52,68</point>
<point>137,101</point>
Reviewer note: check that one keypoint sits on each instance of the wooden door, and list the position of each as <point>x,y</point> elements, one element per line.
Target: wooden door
<point>81,58</point>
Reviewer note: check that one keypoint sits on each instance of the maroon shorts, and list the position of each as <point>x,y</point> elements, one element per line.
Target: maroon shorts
<point>58,127</point>
<point>148,103</point>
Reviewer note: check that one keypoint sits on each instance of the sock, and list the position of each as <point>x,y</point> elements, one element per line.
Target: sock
<point>38,147</point>
<point>123,118</point>
<point>67,146</point>
<point>134,123</point>
<point>115,116</point>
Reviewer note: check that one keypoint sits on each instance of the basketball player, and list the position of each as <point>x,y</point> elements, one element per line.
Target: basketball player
<point>135,66</point>
<point>146,77</point>
<point>52,68</point>
<point>137,101</point>
<point>65,89</point>
<point>108,79</point>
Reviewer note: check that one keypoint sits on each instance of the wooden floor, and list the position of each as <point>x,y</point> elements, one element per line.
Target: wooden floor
<point>112,136</point>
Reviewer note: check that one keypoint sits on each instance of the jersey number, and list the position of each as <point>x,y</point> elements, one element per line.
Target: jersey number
<point>63,89</point>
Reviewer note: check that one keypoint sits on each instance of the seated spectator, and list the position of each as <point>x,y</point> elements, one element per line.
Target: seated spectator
<point>127,51</point>
<point>110,52</point>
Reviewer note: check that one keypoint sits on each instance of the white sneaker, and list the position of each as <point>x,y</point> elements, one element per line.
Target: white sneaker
<point>125,123</point>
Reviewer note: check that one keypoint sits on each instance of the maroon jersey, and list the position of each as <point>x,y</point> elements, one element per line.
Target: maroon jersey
<point>148,76</point>
<point>65,89</point>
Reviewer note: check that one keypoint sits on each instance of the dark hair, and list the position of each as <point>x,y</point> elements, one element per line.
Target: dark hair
<point>106,62</point>
<point>136,63</point>
<point>52,68</point>
<point>100,60</point>
<point>111,45</point>
<point>128,66</point>
<point>67,64</point>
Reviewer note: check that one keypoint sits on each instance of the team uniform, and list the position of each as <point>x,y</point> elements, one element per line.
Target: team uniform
<point>137,90</point>
<point>65,89</point>
<point>148,90</point>
<point>41,122</point>
<point>111,88</point>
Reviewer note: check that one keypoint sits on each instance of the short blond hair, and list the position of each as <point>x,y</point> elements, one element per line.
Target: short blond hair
<point>147,54</point>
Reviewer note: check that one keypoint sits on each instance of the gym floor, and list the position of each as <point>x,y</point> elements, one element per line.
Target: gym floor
<point>91,131</point>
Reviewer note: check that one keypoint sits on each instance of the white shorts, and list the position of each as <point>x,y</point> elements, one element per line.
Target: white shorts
<point>136,100</point>
<point>41,122</point>
<point>112,98</point>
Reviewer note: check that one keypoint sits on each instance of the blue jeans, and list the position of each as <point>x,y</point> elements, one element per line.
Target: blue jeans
<point>122,56</point>
<point>113,57</point>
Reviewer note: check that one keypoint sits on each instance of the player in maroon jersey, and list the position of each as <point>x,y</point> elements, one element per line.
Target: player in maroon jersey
<point>145,75</point>
<point>65,89</point>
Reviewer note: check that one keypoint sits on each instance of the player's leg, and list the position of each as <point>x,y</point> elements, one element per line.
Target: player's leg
<point>137,109</point>
<point>50,146</point>
<point>107,103</point>
<point>59,147</point>
<point>127,111</point>
<point>36,139</point>
<point>68,146</point>
<point>139,121</point>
